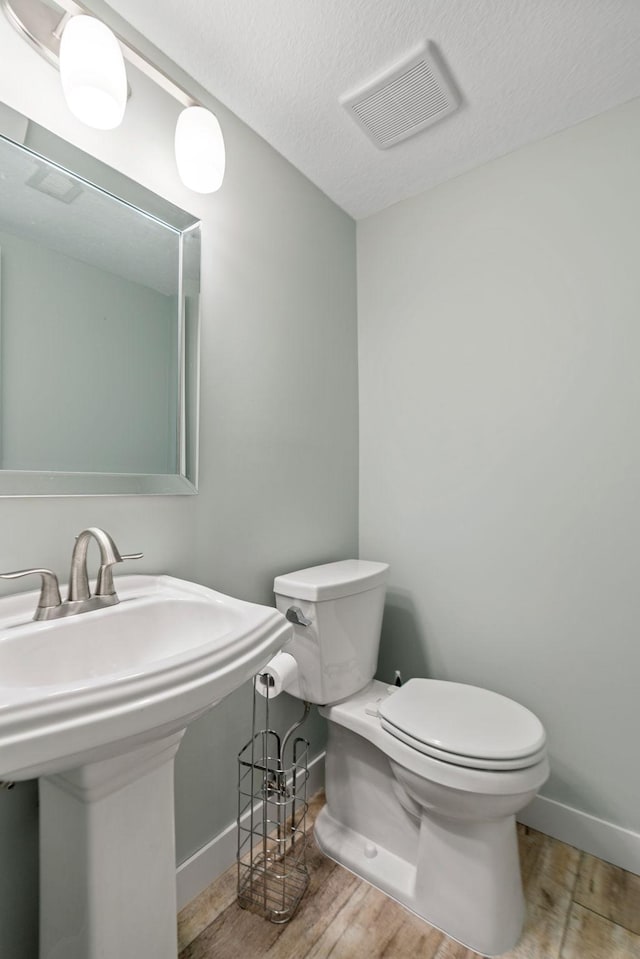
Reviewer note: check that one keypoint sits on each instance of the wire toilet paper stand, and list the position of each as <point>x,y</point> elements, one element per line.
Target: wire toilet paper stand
<point>272,814</point>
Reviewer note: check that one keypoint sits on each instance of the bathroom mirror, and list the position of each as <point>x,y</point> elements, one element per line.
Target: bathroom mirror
<point>99,303</point>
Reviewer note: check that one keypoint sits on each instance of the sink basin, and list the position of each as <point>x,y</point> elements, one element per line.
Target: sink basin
<point>95,705</point>
<point>99,684</point>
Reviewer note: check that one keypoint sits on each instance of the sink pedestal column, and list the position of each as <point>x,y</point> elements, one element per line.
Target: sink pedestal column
<point>107,858</point>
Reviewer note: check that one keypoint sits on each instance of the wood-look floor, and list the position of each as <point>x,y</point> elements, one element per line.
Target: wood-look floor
<point>578,907</point>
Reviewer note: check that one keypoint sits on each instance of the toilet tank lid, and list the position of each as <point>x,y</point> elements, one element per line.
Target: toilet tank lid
<point>331,580</point>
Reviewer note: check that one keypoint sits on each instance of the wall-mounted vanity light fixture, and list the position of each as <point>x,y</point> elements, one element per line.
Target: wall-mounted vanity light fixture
<point>91,62</point>
<point>92,71</point>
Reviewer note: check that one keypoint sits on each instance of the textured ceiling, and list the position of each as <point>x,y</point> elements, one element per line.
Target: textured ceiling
<point>525,69</point>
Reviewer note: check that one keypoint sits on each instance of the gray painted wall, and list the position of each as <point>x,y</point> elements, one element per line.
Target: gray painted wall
<point>500,448</point>
<point>278,476</point>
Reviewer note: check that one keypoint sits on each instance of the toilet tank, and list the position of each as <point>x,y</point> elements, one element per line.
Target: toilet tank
<point>337,653</point>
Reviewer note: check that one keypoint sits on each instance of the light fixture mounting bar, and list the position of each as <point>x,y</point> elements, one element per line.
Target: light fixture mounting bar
<point>40,24</point>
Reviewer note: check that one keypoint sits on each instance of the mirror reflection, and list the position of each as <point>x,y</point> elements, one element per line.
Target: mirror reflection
<point>98,326</point>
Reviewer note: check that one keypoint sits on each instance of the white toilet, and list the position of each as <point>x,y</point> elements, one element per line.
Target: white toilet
<point>423,781</point>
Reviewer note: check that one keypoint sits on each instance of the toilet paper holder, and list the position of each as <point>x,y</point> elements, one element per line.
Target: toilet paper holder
<point>272,813</point>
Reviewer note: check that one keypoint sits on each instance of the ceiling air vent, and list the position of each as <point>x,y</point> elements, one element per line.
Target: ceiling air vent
<point>405,100</point>
<point>54,183</point>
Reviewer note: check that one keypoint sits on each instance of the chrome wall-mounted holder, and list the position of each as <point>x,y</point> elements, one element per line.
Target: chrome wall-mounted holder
<point>272,811</point>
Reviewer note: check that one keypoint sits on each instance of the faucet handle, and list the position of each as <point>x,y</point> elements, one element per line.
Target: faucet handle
<point>49,591</point>
<point>104,581</point>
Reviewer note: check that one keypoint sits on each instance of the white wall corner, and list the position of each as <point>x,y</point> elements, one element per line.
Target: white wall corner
<point>209,862</point>
<point>595,836</point>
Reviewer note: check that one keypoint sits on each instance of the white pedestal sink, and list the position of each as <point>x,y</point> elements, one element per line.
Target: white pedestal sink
<point>96,706</point>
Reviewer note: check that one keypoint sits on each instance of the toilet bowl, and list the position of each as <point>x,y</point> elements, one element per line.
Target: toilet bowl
<point>424,781</point>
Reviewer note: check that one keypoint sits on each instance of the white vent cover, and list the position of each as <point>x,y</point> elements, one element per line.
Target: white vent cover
<point>54,183</point>
<point>405,100</point>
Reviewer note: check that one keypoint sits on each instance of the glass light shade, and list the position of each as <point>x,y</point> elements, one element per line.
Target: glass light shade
<point>200,153</point>
<point>92,71</point>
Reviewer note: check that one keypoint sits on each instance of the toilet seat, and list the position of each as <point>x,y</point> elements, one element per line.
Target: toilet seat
<point>463,725</point>
<point>357,713</point>
<point>468,762</point>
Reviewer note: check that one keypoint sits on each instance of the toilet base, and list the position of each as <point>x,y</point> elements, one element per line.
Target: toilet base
<point>466,881</point>
<point>384,870</point>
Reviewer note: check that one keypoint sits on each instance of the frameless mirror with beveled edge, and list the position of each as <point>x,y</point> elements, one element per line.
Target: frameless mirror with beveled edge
<point>99,326</point>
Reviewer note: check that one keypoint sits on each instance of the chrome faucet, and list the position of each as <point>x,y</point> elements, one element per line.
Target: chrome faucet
<point>79,599</point>
<point>105,594</point>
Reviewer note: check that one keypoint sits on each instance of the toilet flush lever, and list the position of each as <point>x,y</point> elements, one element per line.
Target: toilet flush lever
<point>295,615</point>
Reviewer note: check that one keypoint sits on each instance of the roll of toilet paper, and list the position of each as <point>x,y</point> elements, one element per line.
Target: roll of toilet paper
<point>281,674</point>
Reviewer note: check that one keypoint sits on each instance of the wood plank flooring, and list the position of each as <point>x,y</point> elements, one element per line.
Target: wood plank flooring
<point>578,907</point>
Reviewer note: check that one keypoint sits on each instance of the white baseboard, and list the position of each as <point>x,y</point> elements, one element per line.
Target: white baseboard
<point>595,836</point>
<point>201,869</point>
